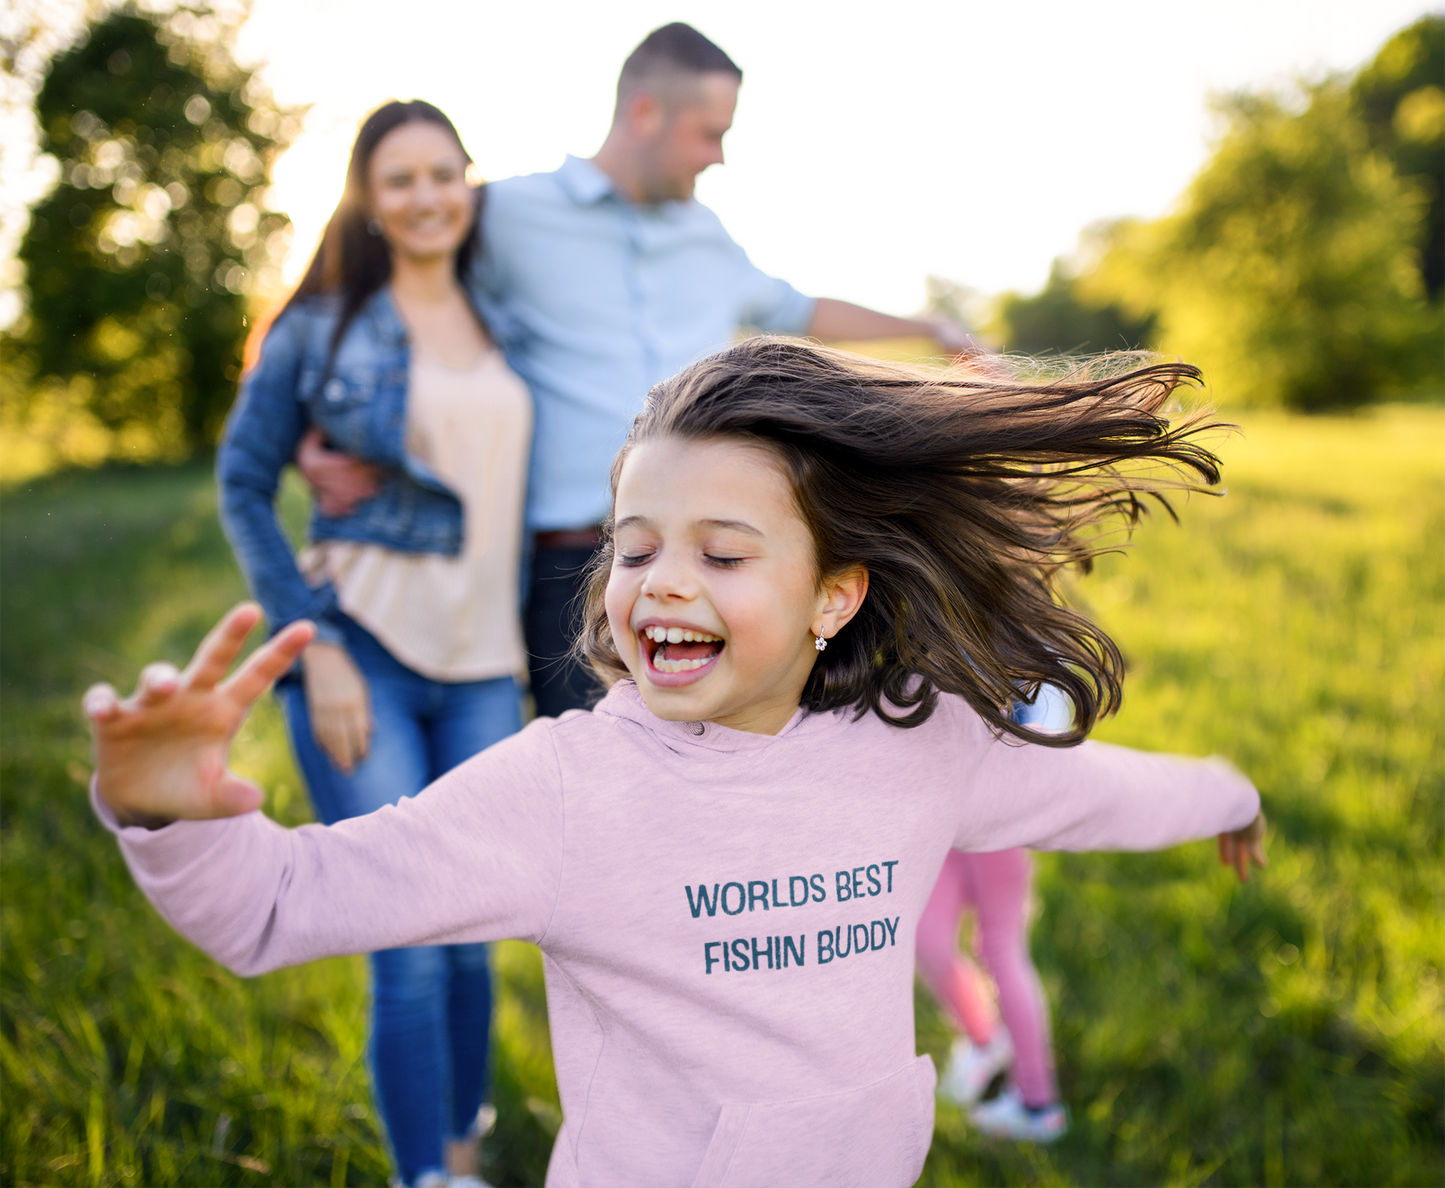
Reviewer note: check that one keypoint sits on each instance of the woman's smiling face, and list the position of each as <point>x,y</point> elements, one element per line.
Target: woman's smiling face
<point>713,599</point>
<point>417,181</point>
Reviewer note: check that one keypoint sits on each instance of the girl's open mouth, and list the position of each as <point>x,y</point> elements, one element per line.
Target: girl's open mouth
<point>678,655</point>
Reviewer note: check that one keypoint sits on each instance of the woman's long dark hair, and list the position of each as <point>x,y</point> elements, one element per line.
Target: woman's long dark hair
<point>962,494</point>
<point>351,262</point>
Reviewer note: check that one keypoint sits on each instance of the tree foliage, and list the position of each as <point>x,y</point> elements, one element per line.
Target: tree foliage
<point>1291,271</point>
<point>140,261</point>
<point>1400,100</point>
<point>1059,319</point>
<point>1303,265</point>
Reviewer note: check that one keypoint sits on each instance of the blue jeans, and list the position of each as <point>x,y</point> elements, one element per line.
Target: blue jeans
<point>431,1005</point>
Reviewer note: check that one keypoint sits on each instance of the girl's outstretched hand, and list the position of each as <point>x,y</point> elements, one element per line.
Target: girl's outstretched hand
<point>1243,846</point>
<point>160,754</point>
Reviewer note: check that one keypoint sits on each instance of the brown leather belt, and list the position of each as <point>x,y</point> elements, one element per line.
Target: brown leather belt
<point>571,538</point>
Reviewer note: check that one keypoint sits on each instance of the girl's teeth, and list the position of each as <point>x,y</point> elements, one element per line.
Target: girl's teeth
<point>677,665</point>
<point>678,635</point>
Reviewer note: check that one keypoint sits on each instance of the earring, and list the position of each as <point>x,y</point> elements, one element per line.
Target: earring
<point>820,643</point>
<point>374,226</point>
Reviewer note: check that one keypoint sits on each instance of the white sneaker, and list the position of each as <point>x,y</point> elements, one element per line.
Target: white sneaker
<point>972,1068</point>
<point>467,1181</point>
<point>1006,1116</point>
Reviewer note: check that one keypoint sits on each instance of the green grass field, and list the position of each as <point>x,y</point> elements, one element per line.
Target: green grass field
<point>1284,1032</point>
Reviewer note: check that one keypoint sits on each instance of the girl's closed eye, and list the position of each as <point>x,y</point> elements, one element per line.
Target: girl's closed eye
<point>640,557</point>
<point>723,562</point>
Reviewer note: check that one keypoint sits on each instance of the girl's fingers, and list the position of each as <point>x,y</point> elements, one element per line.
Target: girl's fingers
<point>100,702</point>
<point>158,683</point>
<point>269,661</point>
<point>221,646</point>
<point>234,796</point>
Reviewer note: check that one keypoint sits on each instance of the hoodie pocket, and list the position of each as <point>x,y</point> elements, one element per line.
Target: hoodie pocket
<point>875,1136</point>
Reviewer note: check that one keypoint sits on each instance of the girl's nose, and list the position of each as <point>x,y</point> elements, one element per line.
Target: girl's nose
<point>669,579</point>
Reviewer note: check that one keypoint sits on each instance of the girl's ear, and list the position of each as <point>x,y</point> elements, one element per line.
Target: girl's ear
<point>839,600</point>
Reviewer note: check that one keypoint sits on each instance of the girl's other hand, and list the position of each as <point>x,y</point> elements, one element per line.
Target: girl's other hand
<point>338,704</point>
<point>1243,846</point>
<point>160,754</point>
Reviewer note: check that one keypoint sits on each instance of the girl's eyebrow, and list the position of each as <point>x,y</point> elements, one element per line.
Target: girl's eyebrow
<point>734,525</point>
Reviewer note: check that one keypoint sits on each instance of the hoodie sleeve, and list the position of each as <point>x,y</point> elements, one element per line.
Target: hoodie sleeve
<point>474,857</point>
<point>1095,796</point>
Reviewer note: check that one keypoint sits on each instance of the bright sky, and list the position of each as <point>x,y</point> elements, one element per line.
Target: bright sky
<point>874,144</point>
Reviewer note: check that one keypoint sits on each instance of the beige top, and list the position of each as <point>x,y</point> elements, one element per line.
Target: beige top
<point>450,618</point>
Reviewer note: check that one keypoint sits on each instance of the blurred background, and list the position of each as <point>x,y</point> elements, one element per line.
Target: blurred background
<point>1255,186</point>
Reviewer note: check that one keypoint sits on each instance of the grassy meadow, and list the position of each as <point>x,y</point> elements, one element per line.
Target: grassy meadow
<point>1288,1031</point>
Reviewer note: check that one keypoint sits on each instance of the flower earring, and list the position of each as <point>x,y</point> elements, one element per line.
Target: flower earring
<point>820,643</point>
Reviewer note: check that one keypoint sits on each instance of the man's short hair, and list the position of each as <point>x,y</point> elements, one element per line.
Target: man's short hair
<point>669,60</point>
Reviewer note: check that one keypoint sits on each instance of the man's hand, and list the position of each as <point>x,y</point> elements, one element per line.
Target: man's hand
<point>842,321</point>
<point>338,704</point>
<point>954,339</point>
<point>339,480</point>
<point>160,754</point>
<point>1239,848</point>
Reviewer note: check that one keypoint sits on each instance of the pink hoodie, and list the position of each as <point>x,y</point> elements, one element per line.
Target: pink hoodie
<point>727,919</point>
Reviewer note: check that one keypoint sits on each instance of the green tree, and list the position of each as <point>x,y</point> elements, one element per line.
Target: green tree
<point>1400,100</point>
<point>140,261</point>
<point>1061,319</point>
<point>1291,271</point>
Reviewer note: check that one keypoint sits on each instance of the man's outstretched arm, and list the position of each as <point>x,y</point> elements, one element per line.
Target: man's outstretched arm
<point>842,321</point>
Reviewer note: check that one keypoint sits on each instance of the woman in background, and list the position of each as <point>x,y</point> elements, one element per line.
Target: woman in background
<point>415,591</point>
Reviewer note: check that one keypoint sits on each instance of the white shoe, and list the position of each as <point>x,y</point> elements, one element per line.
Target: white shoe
<point>1006,1116</point>
<point>467,1181</point>
<point>971,1068</point>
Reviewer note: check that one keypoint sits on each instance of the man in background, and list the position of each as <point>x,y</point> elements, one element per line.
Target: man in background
<point>600,279</point>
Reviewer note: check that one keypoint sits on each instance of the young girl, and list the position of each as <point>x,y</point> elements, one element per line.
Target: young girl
<point>824,581</point>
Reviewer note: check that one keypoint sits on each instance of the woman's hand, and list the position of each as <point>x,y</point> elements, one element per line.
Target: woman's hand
<point>160,754</point>
<point>338,704</point>
<point>1239,848</point>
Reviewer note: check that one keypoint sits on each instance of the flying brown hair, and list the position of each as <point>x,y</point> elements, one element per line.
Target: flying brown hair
<point>963,494</point>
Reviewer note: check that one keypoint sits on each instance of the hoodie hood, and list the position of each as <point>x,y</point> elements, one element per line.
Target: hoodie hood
<point>624,702</point>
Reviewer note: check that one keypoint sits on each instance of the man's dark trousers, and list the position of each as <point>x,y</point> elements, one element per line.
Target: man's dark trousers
<point>552,622</point>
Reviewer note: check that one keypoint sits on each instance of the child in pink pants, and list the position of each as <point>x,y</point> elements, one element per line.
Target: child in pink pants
<point>996,887</point>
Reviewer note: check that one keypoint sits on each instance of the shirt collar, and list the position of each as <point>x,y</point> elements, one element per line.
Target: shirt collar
<point>585,183</point>
<point>588,185</point>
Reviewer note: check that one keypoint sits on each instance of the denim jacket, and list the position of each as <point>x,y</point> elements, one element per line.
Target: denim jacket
<point>359,403</point>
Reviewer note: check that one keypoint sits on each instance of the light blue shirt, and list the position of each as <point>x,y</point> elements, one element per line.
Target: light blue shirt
<point>594,299</point>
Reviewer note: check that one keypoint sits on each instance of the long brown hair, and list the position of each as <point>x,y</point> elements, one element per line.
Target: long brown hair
<point>352,262</point>
<point>962,494</point>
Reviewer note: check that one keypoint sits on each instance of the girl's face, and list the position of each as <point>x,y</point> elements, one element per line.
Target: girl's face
<point>713,600</point>
<point>418,186</point>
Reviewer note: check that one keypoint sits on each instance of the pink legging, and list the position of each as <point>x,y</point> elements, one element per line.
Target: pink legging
<point>996,886</point>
